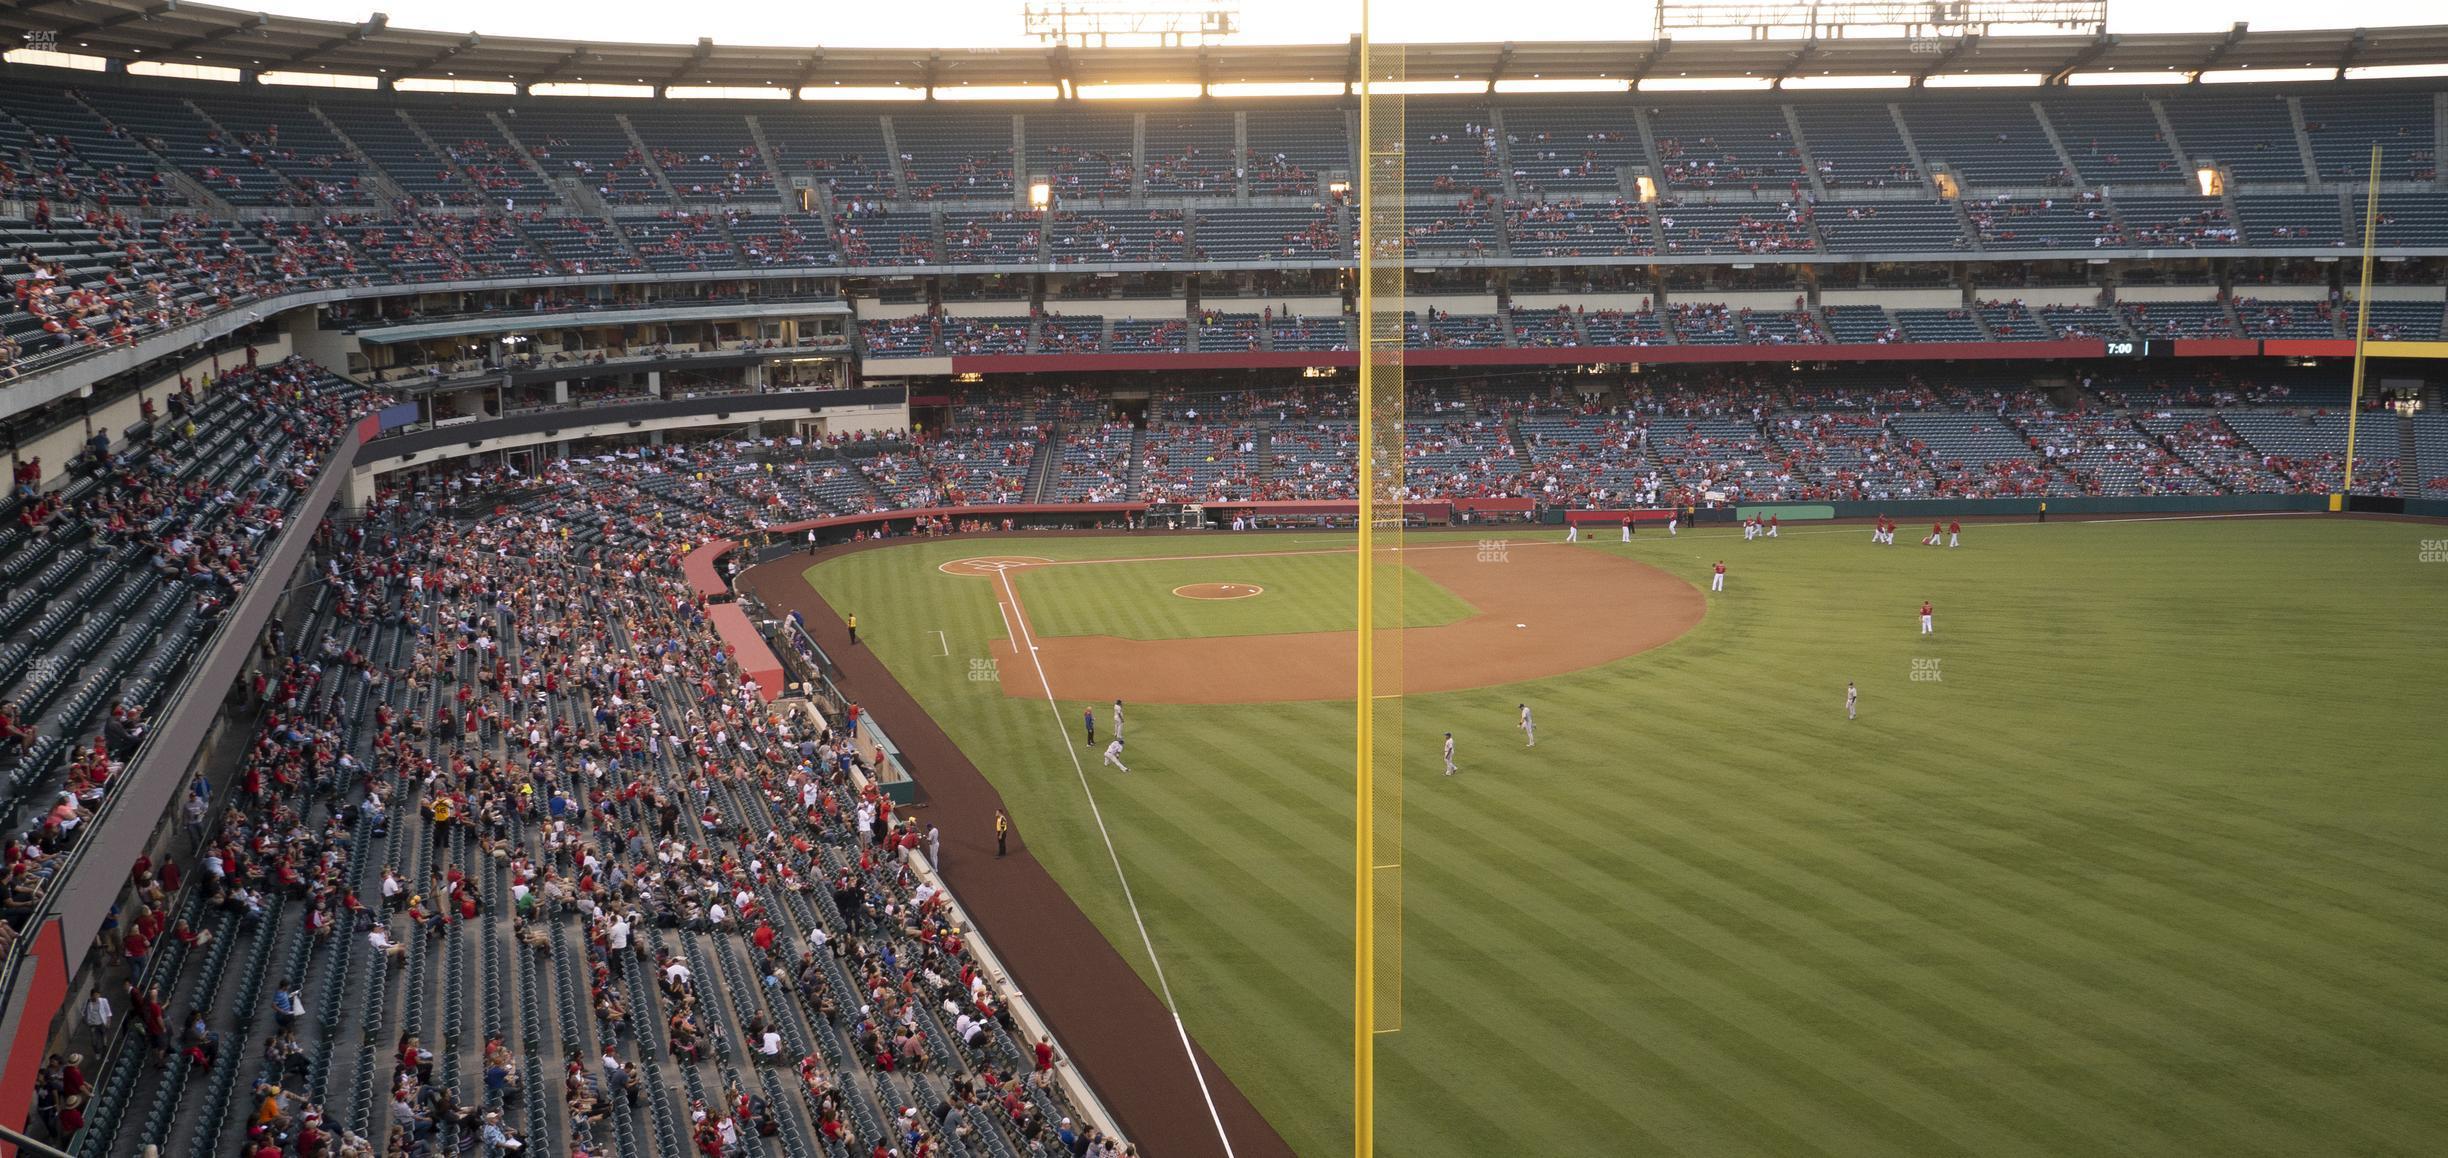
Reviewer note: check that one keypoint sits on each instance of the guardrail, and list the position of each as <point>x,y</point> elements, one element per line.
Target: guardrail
<point>1023,1011</point>
<point>892,776</point>
<point>403,441</point>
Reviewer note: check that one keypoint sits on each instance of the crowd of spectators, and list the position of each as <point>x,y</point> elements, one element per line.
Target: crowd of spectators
<point>555,751</point>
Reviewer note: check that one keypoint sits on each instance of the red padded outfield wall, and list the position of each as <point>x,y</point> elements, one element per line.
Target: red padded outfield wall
<point>1550,356</point>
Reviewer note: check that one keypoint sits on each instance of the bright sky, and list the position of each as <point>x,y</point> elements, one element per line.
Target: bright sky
<point>996,23</point>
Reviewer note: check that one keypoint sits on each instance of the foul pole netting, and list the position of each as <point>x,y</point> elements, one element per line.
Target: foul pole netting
<point>1377,199</point>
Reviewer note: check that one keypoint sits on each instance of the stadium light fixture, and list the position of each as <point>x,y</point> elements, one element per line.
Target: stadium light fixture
<point>1338,188</point>
<point>1040,195</point>
<point>1128,92</point>
<point>1985,80</point>
<point>1308,88</point>
<point>1847,80</point>
<point>2115,78</point>
<point>1563,85</point>
<point>1648,188</point>
<point>2210,181</point>
<point>2395,71</point>
<point>2250,75</point>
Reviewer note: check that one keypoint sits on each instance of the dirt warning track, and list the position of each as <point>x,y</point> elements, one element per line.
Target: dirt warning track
<point>1540,609</point>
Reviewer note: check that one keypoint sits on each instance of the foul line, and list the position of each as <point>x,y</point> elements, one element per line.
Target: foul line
<point>1062,732</point>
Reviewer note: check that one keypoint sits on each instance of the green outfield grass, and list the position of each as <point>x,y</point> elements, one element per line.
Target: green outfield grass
<point>1304,592</point>
<point>2152,859</point>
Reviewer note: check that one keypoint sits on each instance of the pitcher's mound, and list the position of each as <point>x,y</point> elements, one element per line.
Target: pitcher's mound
<point>1219,590</point>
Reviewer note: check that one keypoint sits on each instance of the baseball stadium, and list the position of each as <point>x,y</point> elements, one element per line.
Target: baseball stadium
<point>1233,579</point>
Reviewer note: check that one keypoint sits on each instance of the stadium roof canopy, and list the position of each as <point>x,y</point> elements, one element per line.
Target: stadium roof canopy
<point>171,31</point>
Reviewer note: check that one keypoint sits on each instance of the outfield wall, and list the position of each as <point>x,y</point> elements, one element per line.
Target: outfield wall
<point>1911,509</point>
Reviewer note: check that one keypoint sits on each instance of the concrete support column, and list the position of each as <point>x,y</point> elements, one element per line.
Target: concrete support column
<point>327,348</point>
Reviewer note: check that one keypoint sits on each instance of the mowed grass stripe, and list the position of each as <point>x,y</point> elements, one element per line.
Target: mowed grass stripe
<point>2158,869</point>
<point>2066,992</point>
<point>1328,819</point>
<point>1568,830</point>
<point>1751,936</point>
<point>1711,1034</point>
<point>2199,988</point>
<point>1790,841</point>
<point>2156,676</point>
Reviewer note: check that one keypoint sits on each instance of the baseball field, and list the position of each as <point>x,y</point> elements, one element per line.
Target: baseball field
<point>2144,851</point>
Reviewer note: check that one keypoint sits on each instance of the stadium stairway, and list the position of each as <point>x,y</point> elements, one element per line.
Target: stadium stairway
<point>1044,468</point>
<point>378,182</point>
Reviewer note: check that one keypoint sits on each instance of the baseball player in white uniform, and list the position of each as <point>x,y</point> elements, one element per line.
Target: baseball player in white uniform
<point>1113,754</point>
<point>1529,727</point>
<point>1117,719</point>
<point>1572,531</point>
<point>1449,763</point>
<point>1852,699</point>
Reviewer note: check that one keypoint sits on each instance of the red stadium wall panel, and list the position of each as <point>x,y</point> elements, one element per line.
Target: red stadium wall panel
<point>756,659</point>
<point>2308,347</point>
<point>1615,518</point>
<point>2217,347</point>
<point>994,512</point>
<point>697,567</point>
<point>1547,356</point>
<point>705,578</point>
<point>42,989</point>
<point>1439,509</point>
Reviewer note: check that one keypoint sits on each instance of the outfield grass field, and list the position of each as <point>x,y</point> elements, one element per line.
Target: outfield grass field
<point>2145,852</point>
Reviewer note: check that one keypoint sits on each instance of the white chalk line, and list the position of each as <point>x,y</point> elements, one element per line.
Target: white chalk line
<point>942,643</point>
<point>1062,732</point>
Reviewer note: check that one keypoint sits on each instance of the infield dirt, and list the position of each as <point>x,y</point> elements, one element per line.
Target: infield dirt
<point>1539,609</point>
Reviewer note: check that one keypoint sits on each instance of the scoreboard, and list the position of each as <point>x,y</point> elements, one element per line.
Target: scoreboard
<point>2140,348</point>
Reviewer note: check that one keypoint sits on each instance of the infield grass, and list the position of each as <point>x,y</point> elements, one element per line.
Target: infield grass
<point>2152,858</point>
<point>1310,591</point>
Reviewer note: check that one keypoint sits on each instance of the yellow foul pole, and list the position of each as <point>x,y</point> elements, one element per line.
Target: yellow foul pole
<point>1364,859</point>
<point>2354,408</point>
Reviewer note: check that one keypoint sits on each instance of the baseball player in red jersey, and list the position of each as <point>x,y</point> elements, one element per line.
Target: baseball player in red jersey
<point>1937,532</point>
<point>1926,629</point>
<point>1954,532</point>
<point>1717,581</point>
